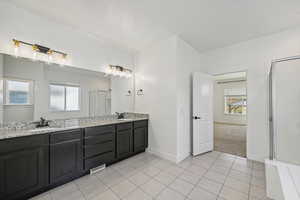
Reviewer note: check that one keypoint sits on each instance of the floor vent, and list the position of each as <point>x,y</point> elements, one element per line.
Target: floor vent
<point>97,169</point>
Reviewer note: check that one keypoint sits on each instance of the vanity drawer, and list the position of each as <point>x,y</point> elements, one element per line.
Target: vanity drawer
<point>142,123</point>
<point>21,143</point>
<point>106,137</point>
<point>96,161</point>
<point>64,136</point>
<point>92,150</point>
<point>98,130</point>
<point>124,126</point>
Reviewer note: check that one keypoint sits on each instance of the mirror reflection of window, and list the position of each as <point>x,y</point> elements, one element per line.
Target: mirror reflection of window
<point>64,97</point>
<point>72,98</point>
<point>57,97</point>
<point>18,92</point>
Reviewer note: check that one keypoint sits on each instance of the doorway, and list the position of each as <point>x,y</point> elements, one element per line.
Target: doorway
<point>230,113</point>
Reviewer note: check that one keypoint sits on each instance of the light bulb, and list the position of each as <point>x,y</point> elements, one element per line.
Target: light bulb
<point>128,74</point>
<point>108,70</point>
<point>49,59</point>
<point>16,47</point>
<point>16,51</point>
<point>50,56</point>
<point>114,71</point>
<point>63,60</point>
<point>119,73</point>
<point>34,55</point>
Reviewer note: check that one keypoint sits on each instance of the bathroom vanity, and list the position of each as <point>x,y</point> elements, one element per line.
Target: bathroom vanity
<point>32,162</point>
<point>81,133</point>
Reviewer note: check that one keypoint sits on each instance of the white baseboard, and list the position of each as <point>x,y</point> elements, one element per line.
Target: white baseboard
<point>183,156</point>
<point>255,158</point>
<point>164,155</point>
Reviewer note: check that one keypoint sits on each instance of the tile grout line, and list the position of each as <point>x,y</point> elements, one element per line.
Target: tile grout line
<point>224,180</point>
<point>203,176</point>
<point>252,167</point>
<point>213,159</point>
<point>167,186</point>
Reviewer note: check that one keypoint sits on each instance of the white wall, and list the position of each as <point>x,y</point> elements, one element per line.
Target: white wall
<point>164,72</point>
<point>1,88</point>
<point>219,115</point>
<point>121,100</point>
<point>42,75</point>
<point>188,61</point>
<point>255,56</point>
<point>156,75</point>
<point>84,50</point>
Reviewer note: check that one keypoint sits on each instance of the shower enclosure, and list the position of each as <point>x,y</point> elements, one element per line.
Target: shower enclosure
<point>283,167</point>
<point>284,87</point>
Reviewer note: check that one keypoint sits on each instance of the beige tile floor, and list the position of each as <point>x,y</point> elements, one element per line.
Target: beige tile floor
<point>211,176</point>
<point>230,139</point>
<point>231,147</point>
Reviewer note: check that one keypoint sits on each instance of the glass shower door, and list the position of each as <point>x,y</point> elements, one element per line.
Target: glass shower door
<point>286,110</point>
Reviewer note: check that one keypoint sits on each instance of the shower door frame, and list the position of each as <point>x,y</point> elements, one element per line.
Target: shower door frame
<point>272,133</point>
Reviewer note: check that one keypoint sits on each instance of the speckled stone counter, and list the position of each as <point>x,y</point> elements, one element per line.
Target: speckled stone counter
<point>67,124</point>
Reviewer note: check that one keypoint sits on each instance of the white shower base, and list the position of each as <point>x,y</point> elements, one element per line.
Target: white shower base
<point>283,180</point>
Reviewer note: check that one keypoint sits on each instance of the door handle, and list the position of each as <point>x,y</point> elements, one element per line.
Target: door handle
<point>196,117</point>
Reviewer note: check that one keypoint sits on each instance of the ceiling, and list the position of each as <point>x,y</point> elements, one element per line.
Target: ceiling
<point>205,24</point>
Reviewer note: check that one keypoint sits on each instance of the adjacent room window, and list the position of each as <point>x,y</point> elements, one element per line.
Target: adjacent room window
<point>235,101</point>
<point>64,97</point>
<point>18,92</point>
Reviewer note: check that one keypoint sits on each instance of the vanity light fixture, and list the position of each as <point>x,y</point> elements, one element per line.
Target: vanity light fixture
<point>115,70</point>
<point>36,48</point>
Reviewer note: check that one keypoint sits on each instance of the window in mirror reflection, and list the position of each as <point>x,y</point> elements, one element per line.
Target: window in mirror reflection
<point>72,98</point>
<point>64,98</point>
<point>57,97</point>
<point>18,92</point>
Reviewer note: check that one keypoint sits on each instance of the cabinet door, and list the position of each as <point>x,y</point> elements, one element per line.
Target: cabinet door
<point>124,143</point>
<point>140,139</point>
<point>23,172</point>
<point>66,161</point>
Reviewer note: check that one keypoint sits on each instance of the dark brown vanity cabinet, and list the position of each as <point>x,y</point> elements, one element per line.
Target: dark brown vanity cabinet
<point>23,166</point>
<point>99,146</point>
<point>32,164</point>
<point>140,135</point>
<point>65,155</point>
<point>124,140</point>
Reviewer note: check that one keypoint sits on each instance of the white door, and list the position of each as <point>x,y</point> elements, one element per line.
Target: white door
<point>202,113</point>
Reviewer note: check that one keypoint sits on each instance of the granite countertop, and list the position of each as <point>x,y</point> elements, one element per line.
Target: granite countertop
<point>67,124</point>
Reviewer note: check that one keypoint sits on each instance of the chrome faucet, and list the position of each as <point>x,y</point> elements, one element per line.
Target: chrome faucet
<point>120,115</point>
<point>42,123</point>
